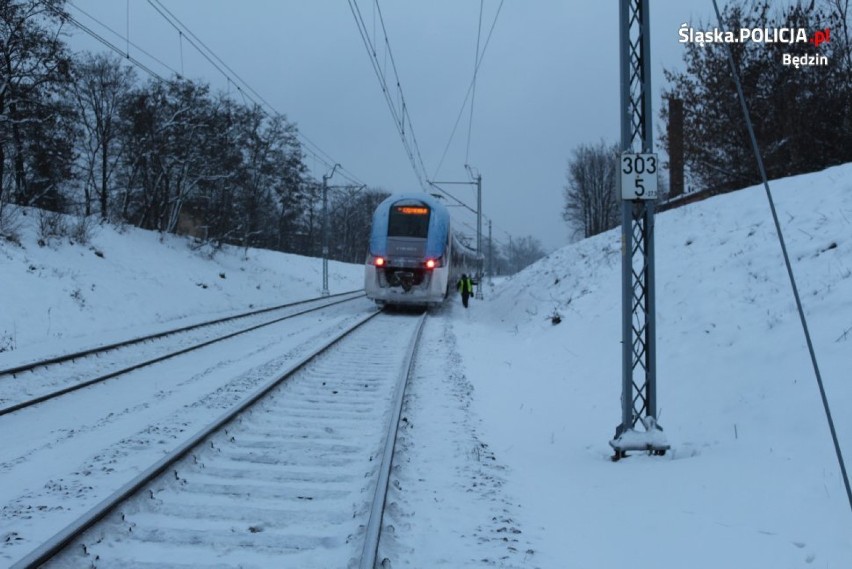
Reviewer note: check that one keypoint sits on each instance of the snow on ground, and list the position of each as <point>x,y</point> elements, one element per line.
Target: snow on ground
<point>752,479</point>
<point>505,444</point>
<point>126,282</point>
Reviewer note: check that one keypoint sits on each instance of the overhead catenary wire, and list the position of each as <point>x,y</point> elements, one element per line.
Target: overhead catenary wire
<point>469,91</point>
<point>207,53</point>
<point>255,97</point>
<point>308,145</point>
<point>371,52</point>
<point>247,93</point>
<point>399,110</point>
<point>124,53</point>
<point>389,53</point>
<point>494,240</point>
<point>175,22</point>
<point>759,158</point>
<point>475,67</point>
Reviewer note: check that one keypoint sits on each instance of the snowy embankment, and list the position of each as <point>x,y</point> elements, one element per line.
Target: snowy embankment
<point>752,480</point>
<point>126,282</point>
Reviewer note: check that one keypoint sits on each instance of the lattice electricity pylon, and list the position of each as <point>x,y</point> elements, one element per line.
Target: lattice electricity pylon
<point>639,366</point>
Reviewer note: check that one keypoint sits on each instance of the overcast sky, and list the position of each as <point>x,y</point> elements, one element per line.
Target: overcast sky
<point>549,82</point>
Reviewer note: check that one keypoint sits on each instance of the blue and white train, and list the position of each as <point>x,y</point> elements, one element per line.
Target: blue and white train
<point>414,257</point>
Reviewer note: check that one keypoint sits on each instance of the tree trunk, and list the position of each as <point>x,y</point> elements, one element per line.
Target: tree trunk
<point>2,152</point>
<point>104,144</point>
<point>20,176</point>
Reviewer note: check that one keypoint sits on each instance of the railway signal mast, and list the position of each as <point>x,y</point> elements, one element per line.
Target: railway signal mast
<point>479,281</point>
<point>638,167</point>
<point>325,178</point>
<point>476,181</point>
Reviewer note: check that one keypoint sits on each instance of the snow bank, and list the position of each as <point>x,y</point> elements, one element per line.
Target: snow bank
<point>752,479</point>
<point>126,281</point>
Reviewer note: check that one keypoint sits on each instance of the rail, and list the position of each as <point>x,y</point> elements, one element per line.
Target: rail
<point>55,544</point>
<point>99,379</point>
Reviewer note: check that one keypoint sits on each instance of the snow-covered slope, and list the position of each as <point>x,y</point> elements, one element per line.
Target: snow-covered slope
<point>125,282</point>
<point>752,479</point>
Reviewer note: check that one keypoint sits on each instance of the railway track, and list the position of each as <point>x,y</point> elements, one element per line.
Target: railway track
<point>294,476</point>
<point>56,376</point>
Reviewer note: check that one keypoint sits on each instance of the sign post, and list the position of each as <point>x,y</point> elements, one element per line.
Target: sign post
<point>638,181</point>
<point>638,176</point>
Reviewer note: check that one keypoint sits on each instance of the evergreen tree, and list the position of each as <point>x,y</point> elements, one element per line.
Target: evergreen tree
<point>802,116</point>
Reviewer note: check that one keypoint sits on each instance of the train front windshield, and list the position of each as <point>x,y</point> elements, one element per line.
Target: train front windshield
<point>409,221</point>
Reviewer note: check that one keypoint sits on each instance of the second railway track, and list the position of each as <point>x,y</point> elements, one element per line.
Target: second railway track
<point>295,477</point>
<point>56,376</point>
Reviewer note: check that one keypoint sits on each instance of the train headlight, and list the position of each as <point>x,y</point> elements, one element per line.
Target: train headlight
<point>431,264</point>
<point>379,261</point>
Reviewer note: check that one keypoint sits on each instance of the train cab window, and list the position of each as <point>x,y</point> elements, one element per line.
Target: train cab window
<point>409,221</point>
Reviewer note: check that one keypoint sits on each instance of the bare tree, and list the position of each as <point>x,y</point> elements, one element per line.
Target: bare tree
<point>100,88</point>
<point>521,253</point>
<point>351,221</point>
<point>495,260</point>
<point>591,203</point>
<point>33,68</point>
<point>841,9</point>
<point>167,136</point>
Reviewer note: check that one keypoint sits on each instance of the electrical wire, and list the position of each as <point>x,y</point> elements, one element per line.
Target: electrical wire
<point>309,145</point>
<point>123,53</point>
<point>252,96</point>
<point>795,289</point>
<point>469,90</point>
<point>475,67</point>
<point>404,106</point>
<point>484,238</point>
<point>399,111</point>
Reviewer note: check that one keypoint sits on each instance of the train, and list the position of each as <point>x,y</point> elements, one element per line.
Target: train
<point>415,258</point>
